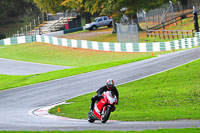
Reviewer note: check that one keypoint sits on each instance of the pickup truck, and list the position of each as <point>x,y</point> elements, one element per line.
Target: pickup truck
<point>99,22</point>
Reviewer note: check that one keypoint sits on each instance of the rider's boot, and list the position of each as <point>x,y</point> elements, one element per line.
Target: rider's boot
<point>92,106</point>
<point>93,99</point>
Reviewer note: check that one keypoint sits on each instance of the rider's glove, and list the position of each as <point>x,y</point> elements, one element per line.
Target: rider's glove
<point>100,96</point>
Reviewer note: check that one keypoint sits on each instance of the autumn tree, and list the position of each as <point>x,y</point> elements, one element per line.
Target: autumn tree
<point>52,6</point>
<point>103,7</point>
<point>79,5</point>
<point>115,8</point>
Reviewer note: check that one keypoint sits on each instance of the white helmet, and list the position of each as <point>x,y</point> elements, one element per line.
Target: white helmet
<point>110,84</point>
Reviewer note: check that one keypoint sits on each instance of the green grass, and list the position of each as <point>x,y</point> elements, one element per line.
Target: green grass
<point>171,95</point>
<point>185,130</point>
<point>58,55</point>
<point>84,60</point>
<point>7,82</point>
<point>105,38</point>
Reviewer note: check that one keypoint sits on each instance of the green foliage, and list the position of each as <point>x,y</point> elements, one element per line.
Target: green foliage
<point>52,6</point>
<point>14,8</point>
<point>16,14</point>
<point>103,7</point>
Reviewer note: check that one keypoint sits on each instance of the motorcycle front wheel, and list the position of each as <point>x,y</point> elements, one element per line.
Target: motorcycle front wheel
<point>90,120</point>
<point>105,115</point>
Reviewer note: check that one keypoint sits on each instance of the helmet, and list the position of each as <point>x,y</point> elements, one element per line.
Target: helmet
<point>110,84</point>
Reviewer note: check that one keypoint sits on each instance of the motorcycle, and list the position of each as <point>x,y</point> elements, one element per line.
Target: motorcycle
<point>103,108</point>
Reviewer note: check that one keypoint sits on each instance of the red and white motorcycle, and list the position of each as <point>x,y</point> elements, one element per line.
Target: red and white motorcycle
<point>103,108</point>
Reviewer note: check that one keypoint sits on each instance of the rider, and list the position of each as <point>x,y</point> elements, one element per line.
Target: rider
<point>108,87</point>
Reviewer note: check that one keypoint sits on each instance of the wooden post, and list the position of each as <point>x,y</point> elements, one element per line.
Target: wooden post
<point>163,34</point>
<point>155,34</point>
<point>182,34</point>
<point>167,34</point>
<point>177,34</point>
<point>159,34</point>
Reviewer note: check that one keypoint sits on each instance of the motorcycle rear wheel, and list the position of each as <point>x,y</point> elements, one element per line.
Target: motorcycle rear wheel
<point>105,116</point>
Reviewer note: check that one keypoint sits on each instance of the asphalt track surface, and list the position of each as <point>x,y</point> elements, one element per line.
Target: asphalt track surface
<point>17,105</point>
<point>13,67</point>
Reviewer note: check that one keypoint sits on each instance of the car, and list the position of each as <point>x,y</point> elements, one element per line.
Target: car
<point>99,22</point>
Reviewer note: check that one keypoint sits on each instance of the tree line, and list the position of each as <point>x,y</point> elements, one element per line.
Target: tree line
<point>113,8</point>
<point>16,8</point>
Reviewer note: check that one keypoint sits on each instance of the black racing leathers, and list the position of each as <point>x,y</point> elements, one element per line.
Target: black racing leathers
<point>100,92</point>
<point>104,88</point>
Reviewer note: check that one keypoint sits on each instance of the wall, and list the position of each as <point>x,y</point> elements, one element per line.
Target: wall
<point>107,46</point>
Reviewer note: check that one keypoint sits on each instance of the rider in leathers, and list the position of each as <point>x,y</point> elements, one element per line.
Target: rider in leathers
<point>108,87</point>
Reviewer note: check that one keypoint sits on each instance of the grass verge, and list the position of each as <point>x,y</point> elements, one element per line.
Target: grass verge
<point>185,130</point>
<point>59,55</point>
<point>84,60</point>
<point>7,82</point>
<point>171,95</point>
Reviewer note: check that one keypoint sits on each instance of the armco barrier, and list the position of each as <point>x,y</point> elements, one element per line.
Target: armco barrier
<point>73,30</point>
<point>18,40</point>
<point>107,46</point>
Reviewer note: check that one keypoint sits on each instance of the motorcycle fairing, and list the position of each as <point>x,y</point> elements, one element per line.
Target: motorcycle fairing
<point>92,115</point>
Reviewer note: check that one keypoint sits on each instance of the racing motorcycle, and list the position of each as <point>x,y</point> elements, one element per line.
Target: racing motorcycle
<point>103,108</point>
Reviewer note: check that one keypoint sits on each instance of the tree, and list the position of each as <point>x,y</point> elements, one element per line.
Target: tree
<point>52,6</point>
<point>14,8</point>
<point>79,5</point>
<point>114,7</point>
<point>103,7</point>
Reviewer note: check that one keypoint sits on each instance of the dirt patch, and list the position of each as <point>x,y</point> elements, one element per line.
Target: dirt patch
<point>87,35</point>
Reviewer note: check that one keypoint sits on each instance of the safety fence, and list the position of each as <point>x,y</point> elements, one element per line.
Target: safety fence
<point>107,46</point>
<point>173,34</point>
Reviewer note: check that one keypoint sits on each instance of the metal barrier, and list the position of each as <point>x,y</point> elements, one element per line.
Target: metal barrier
<point>127,33</point>
<point>73,30</point>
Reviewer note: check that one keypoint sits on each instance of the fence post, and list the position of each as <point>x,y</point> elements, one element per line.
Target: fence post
<point>158,15</point>
<point>167,34</point>
<point>163,32</point>
<point>172,12</point>
<point>155,34</point>
<point>182,34</point>
<point>172,35</point>
<point>177,34</point>
<point>159,34</point>
<point>43,17</point>
<point>22,31</point>
<point>196,24</point>
<point>18,33</point>
<point>30,28</point>
<point>145,14</point>
<point>26,29</point>
<point>47,17</point>
<point>38,21</point>
<point>34,24</point>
